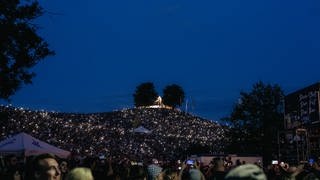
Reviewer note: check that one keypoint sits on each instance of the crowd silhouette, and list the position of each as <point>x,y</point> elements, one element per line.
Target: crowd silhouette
<point>173,131</point>
<point>104,146</point>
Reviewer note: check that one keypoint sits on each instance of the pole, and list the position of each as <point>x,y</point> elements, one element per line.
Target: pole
<point>308,145</point>
<point>297,151</point>
<point>278,144</point>
<point>186,105</point>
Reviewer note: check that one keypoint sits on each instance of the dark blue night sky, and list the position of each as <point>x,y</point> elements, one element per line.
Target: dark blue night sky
<point>212,48</point>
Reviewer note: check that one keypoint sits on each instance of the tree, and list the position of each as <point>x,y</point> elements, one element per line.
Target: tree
<point>173,95</point>
<point>20,46</point>
<point>255,120</point>
<point>145,94</point>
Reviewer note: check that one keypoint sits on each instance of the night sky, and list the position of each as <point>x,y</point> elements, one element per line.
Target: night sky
<point>213,49</point>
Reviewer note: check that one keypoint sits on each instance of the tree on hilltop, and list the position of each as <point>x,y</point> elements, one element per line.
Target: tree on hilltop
<point>255,120</point>
<point>145,94</point>
<point>173,95</point>
<point>20,46</point>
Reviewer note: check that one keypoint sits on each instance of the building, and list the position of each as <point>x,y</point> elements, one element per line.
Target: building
<point>301,138</point>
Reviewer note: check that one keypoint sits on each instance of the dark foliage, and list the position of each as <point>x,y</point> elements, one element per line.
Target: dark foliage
<point>145,94</point>
<point>255,120</point>
<point>173,95</point>
<point>20,46</point>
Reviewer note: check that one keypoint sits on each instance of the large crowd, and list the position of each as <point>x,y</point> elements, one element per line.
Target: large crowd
<point>173,131</point>
<point>48,166</point>
<point>104,146</point>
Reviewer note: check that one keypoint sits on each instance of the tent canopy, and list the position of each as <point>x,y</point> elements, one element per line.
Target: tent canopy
<point>28,145</point>
<point>141,129</point>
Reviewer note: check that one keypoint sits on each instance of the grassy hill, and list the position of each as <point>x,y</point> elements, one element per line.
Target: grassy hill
<point>174,133</point>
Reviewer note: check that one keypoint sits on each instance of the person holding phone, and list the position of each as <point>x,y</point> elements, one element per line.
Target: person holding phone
<point>217,171</point>
<point>153,170</point>
<point>191,170</point>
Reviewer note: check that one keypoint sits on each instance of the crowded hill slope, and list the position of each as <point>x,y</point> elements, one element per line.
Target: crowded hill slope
<point>173,133</point>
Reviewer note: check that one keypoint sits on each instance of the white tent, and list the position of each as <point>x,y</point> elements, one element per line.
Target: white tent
<point>141,129</point>
<point>25,144</point>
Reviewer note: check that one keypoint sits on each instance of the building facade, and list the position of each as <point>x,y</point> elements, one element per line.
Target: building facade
<point>300,140</point>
